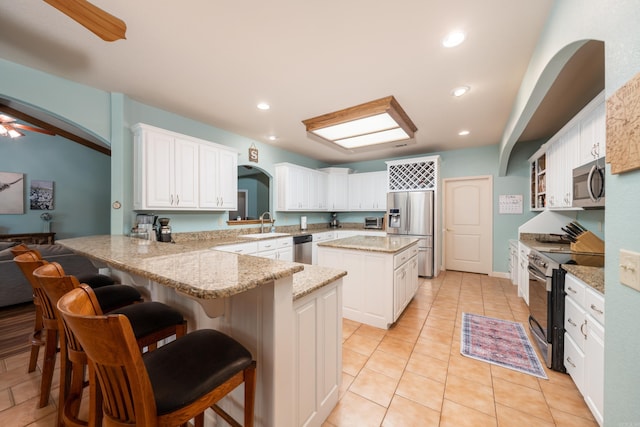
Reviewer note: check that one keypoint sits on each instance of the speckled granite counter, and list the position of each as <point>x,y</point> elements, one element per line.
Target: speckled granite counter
<point>592,276</point>
<point>314,277</point>
<point>205,274</point>
<point>388,244</point>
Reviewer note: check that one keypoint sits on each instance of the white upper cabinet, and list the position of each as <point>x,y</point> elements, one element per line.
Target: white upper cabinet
<point>218,178</point>
<point>593,134</point>
<point>368,191</point>
<point>177,172</point>
<point>562,157</point>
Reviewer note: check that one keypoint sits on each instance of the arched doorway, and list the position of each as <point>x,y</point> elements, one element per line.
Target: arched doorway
<point>253,193</point>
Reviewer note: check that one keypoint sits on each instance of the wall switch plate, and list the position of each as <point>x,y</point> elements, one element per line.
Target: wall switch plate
<point>630,269</point>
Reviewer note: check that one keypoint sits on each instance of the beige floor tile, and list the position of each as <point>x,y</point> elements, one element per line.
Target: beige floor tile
<point>436,349</point>
<point>396,346</point>
<point>345,384</point>
<point>510,417</point>
<point>352,362</point>
<point>6,400</point>
<point>27,389</point>
<point>361,344</point>
<point>429,367</point>
<point>371,332</point>
<point>521,398</point>
<point>404,412</point>
<point>374,386</point>
<point>356,411</point>
<point>470,369</point>
<point>515,377</point>
<point>456,415</point>
<point>422,390</point>
<point>563,419</point>
<point>386,363</point>
<point>470,394</point>
<point>565,399</point>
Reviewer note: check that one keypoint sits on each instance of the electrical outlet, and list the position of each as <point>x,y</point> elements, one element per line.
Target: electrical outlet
<point>630,269</point>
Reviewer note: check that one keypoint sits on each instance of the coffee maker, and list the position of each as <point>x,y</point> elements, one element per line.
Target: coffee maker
<point>164,231</point>
<point>334,221</point>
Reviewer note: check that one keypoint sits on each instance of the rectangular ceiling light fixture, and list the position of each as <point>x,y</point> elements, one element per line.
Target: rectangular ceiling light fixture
<point>373,124</point>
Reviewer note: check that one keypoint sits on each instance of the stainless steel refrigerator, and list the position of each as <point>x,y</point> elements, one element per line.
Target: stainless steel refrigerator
<point>410,213</point>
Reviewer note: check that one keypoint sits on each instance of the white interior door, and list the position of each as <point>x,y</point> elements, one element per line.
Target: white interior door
<point>468,224</point>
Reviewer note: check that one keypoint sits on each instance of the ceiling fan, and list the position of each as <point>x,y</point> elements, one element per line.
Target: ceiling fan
<point>101,23</point>
<point>9,128</point>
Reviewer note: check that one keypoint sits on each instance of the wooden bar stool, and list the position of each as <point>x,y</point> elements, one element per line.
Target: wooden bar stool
<point>165,387</point>
<point>37,339</point>
<point>152,322</point>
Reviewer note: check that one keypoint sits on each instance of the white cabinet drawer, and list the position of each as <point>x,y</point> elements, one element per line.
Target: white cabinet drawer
<point>284,242</point>
<point>574,361</point>
<point>250,248</point>
<point>574,288</point>
<point>267,245</point>
<point>594,305</point>
<point>574,321</point>
<point>401,258</point>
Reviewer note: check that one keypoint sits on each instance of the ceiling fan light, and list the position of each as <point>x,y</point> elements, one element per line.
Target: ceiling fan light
<point>14,133</point>
<point>365,125</point>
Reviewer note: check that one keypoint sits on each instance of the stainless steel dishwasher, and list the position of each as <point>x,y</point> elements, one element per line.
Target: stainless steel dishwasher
<point>302,248</point>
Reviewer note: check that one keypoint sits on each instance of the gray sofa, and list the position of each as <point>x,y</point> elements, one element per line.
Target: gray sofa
<point>14,287</point>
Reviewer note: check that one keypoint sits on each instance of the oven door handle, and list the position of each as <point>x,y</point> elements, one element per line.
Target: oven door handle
<point>534,272</point>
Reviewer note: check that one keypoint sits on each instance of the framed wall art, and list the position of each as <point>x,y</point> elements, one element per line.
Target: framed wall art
<point>11,193</point>
<point>41,195</point>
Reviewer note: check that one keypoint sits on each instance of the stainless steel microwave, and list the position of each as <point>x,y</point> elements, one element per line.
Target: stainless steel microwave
<point>588,185</point>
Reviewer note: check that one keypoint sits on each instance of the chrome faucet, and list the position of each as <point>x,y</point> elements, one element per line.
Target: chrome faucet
<point>262,220</point>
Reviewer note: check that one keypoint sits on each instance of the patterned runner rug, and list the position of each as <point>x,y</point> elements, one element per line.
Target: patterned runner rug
<point>500,342</point>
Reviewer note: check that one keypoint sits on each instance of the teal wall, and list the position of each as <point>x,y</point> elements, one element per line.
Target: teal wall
<point>81,179</point>
<point>615,22</point>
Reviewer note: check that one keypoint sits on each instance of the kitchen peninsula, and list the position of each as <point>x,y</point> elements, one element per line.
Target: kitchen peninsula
<point>382,275</point>
<point>264,304</point>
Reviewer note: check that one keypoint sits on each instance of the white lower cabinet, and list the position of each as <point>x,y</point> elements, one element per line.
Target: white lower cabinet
<point>318,355</point>
<point>319,238</point>
<point>523,272</point>
<point>584,342</point>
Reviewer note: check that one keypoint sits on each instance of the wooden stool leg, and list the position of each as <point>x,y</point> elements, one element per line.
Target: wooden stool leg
<point>51,347</point>
<point>36,340</point>
<point>249,394</point>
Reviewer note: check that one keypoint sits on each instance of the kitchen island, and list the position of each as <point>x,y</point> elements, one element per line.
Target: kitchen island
<point>251,299</point>
<point>382,275</point>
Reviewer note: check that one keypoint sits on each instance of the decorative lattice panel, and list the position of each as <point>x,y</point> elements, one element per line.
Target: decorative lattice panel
<point>413,176</point>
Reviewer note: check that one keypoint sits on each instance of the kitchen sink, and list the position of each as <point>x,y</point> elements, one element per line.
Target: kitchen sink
<point>262,235</point>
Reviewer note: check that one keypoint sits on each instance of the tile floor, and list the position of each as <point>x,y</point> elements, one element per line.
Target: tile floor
<point>410,375</point>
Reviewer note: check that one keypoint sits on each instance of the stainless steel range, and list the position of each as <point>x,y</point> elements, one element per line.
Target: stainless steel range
<point>546,300</point>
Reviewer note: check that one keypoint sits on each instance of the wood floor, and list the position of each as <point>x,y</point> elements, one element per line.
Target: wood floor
<point>410,375</point>
<point>16,327</point>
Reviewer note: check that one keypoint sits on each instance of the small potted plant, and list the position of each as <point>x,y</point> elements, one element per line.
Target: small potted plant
<point>46,217</point>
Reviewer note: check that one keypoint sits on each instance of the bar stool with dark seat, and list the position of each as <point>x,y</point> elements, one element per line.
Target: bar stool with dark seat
<point>115,296</point>
<point>166,387</point>
<point>151,322</point>
<point>94,280</point>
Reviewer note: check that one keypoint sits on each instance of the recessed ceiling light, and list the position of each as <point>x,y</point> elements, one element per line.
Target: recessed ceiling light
<point>263,106</point>
<point>454,38</point>
<point>272,137</point>
<point>464,133</point>
<point>459,91</point>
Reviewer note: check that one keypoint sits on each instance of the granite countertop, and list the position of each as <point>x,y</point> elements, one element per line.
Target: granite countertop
<point>313,277</point>
<point>205,274</point>
<point>592,276</point>
<point>389,244</point>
